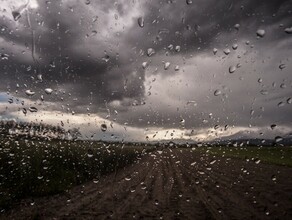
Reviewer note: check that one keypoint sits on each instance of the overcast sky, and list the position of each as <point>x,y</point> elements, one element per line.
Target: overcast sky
<point>197,70</point>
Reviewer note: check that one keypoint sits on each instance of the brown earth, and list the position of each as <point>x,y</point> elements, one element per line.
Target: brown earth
<point>174,184</point>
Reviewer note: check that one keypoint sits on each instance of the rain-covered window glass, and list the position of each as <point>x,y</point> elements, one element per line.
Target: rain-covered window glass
<point>145,109</point>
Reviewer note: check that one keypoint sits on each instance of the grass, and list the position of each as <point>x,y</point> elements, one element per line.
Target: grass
<point>270,155</point>
<point>35,168</point>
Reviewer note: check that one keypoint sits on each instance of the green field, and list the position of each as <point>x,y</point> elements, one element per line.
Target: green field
<point>35,168</point>
<point>271,155</point>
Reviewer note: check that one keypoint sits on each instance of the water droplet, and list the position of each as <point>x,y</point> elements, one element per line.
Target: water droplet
<point>103,127</point>
<point>274,178</point>
<point>166,65</point>
<point>264,92</point>
<point>226,51</point>
<point>29,92</point>
<point>145,65</point>
<point>90,153</point>
<point>234,46</point>
<point>40,77</point>
<point>288,30</point>
<point>156,202</point>
<point>217,92</point>
<point>257,161</point>
<point>260,80</point>
<point>278,139</point>
<point>273,126</point>
<point>289,101</point>
<point>282,66</point>
<point>106,58</point>
<point>177,48</point>
<point>281,104</point>
<point>189,2</point>
<point>213,161</point>
<point>261,33</point>
<point>16,15</point>
<point>237,26</point>
<point>48,91</point>
<point>176,68</point>
<point>141,22</point>
<point>215,51</point>
<point>87,2</point>
<point>32,109</point>
<point>232,69</point>
<point>150,52</point>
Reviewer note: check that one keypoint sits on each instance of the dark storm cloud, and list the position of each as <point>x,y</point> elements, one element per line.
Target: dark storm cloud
<point>95,54</point>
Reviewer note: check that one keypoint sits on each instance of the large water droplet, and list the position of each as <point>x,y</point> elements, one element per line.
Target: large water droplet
<point>141,22</point>
<point>261,33</point>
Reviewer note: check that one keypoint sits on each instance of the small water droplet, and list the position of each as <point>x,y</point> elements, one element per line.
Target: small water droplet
<point>145,65</point>
<point>166,65</point>
<point>261,33</point>
<point>16,15</point>
<point>48,91</point>
<point>281,104</point>
<point>215,51</point>
<point>177,48</point>
<point>29,92</point>
<point>103,127</point>
<point>141,22</point>
<point>237,26</point>
<point>288,30</point>
<point>32,109</point>
<point>217,92</point>
<point>273,126</point>
<point>226,51</point>
<point>282,66</point>
<point>278,139</point>
<point>232,69</point>
<point>189,2</point>
<point>274,178</point>
<point>150,52</point>
<point>176,68</point>
<point>264,92</point>
<point>289,101</point>
<point>234,46</point>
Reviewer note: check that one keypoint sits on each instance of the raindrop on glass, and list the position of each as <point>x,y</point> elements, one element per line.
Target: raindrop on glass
<point>141,22</point>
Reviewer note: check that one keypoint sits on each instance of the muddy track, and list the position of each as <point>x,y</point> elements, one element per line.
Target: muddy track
<point>174,184</point>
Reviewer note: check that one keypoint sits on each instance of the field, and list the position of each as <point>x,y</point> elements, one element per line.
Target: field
<point>35,168</point>
<point>89,180</point>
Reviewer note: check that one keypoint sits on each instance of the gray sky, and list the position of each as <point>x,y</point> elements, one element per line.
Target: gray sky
<point>92,53</point>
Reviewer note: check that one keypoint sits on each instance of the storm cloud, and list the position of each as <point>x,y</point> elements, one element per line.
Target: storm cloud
<point>93,54</point>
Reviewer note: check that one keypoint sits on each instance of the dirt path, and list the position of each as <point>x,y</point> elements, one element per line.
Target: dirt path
<point>175,184</point>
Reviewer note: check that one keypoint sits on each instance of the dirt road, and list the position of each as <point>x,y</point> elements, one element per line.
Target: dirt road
<point>174,184</point>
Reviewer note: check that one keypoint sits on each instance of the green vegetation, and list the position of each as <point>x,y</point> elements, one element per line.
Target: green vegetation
<point>33,168</point>
<point>271,155</point>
